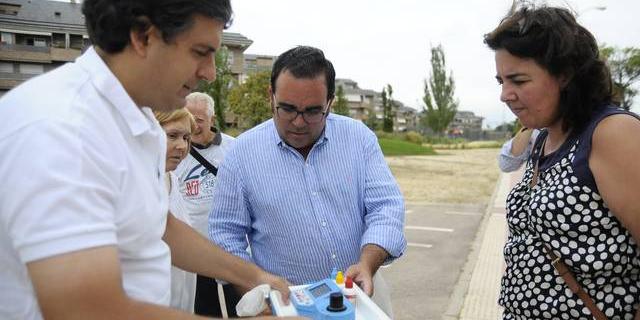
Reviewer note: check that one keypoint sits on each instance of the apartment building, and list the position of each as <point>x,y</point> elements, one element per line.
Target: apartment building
<point>40,35</point>
<point>236,43</point>
<point>37,36</point>
<point>467,125</point>
<point>406,118</point>
<point>254,63</point>
<point>365,103</point>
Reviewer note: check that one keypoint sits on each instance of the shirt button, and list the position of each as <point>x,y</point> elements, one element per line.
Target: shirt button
<point>333,256</point>
<point>324,223</point>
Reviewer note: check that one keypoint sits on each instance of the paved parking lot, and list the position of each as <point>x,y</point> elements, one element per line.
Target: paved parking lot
<point>440,237</point>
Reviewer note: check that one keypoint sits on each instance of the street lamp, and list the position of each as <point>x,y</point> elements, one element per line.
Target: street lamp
<point>598,8</point>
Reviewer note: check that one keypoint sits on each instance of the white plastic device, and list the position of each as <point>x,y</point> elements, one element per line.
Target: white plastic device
<point>366,309</point>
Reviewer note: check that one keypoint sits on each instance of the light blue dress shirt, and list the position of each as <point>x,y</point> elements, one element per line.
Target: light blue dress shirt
<point>303,218</point>
<point>508,162</point>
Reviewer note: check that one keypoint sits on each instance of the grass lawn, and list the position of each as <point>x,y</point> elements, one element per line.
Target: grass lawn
<point>393,147</point>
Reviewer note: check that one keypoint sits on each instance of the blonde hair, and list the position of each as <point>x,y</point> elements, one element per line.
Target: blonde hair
<point>164,117</point>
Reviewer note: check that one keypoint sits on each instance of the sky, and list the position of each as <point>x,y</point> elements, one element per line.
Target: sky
<point>379,42</point>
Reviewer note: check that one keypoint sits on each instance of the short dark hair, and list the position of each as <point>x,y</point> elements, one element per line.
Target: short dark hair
<point>555,41</point>
<point>109,22</point>
<point>305,62</point>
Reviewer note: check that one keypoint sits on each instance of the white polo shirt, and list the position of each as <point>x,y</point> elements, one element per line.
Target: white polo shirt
<point>82,166</point>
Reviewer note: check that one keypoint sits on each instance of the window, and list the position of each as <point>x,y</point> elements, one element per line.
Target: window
<point>36,41</point>
<point>58,40</point>
<point>7,38</point>
<point>31,68</point>
<point>76,41</point>
<point>11,9</point>
<point>230,57</point>
<point>39,42</point>
<point>6,67</point>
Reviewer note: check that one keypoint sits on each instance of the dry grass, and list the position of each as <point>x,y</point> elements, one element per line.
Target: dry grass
<point>452,176</point>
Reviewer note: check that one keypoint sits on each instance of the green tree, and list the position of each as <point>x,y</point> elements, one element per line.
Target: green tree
<point>625,71</point>
<point>441,106</point>
<point>219,89</point>
<point>341,105</point>
<point>387,108</point>
<point>250,100</point>
<point>371,121</point>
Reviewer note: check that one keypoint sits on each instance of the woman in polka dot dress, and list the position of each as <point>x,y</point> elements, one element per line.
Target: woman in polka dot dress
<point>580,192</point>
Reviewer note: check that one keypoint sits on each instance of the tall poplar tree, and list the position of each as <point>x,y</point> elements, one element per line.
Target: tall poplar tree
<point>387,108</point>
<point>439,94</point>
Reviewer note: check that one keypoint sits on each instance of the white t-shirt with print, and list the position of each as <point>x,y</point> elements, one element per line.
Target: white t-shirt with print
<point>197,183</point>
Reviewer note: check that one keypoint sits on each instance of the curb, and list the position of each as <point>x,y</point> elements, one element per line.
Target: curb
<point>457,298</point>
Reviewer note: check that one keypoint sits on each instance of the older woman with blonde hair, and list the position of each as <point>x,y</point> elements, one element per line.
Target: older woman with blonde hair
<point>178,125</point>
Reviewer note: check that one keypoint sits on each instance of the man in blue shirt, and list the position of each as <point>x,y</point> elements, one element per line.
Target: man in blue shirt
<point>308,189</point>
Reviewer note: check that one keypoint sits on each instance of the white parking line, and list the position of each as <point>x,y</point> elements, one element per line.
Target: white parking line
<point>462,213</point>
<point>428,229</point>
<point>419,245</point>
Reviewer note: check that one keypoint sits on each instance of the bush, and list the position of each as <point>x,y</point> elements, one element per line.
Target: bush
<point>444,140</point>
<point>385,135</point>
<point>410,136</point>
<point>414,137</point>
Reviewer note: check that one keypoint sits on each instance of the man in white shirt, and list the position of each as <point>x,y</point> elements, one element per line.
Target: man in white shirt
<point>196,183</point>
<point>83,210</point>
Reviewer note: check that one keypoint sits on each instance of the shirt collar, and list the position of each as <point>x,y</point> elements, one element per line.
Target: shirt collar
<point>106,83</point>
<point>217,140</point>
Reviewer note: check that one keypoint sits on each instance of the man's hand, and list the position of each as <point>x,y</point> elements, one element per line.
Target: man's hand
<point>371,258</point>
<point>276,283</point>
<point>361,275</point>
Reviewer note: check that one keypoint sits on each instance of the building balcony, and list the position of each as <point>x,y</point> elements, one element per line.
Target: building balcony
<point>25,53</point>
<point>66,55</point>
<point>9,80</point>
<point>15,76</point>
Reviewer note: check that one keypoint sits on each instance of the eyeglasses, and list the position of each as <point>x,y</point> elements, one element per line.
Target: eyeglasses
<point>311,116</point>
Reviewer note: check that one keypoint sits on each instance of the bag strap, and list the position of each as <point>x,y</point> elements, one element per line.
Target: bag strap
<point>573,284</point>
<point>203,161</point>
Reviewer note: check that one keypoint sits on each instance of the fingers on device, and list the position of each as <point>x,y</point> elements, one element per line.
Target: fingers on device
<point>319,301</point>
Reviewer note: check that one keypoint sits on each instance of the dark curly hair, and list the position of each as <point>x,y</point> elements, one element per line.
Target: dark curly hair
<point>305,62</point>
<point>109,22</point>
<point>556,42</point>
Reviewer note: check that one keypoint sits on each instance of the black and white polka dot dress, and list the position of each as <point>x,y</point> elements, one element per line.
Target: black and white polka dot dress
<point>565,211</point>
